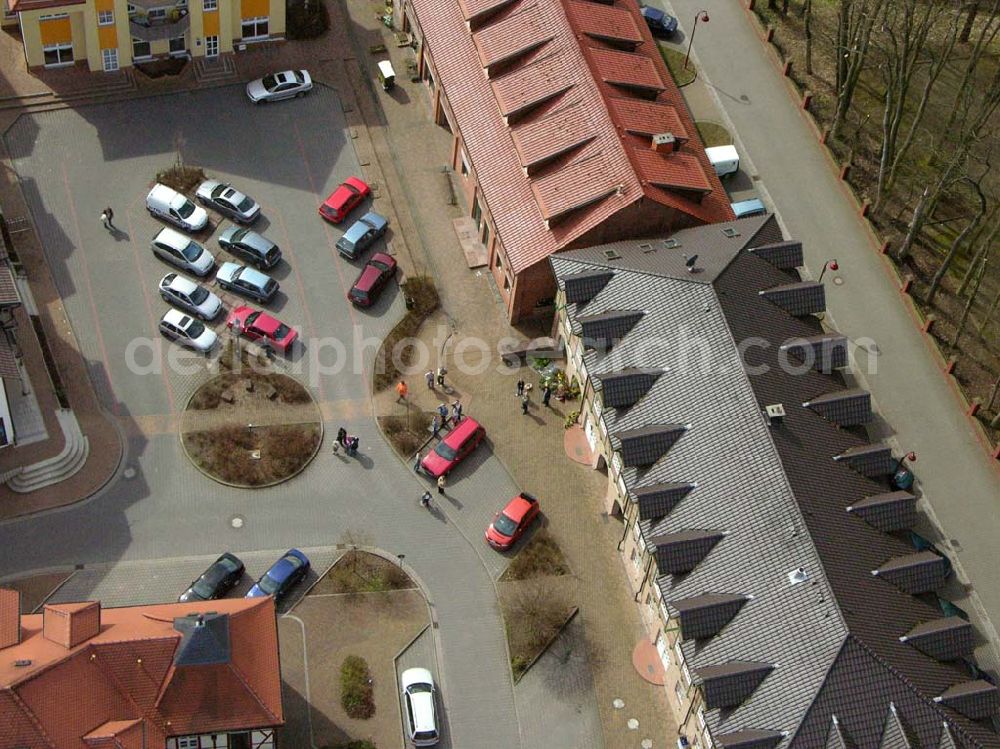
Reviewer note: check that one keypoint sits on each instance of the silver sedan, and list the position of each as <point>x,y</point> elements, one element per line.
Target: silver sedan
<point>278,86</point>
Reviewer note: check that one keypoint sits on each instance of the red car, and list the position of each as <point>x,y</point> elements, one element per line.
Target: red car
<point>260,326</point>
<point>456,445</point>
<point>374,276</point>
<point>336,207</point>
<point>510,523</point>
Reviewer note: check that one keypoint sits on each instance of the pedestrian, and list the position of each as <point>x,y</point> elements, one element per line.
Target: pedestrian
<point>520,386</point>
<point>436,427</point>
<point>111,217</point>
<point>524,403</point>
<point>443,413</point>
<point>456,409</point>
<point>441,482</point>
<point>402,390</point>
<point>546,395</point>
<point>342,436</point>
<point>441,373</point>
<point>352,445</point>
<point>430,379</point>
<point>425,500</point>
<point>336,447</point>
<point>416,462</point>
<point>105,220</point>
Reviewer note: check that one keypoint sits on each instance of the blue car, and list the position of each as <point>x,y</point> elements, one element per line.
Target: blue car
<point>282,576</point>
<point>658,21</point>
<point>362,233</point>
<point>752,207</point>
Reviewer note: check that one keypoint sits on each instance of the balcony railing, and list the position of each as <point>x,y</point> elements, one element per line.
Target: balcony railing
<point>176,23</point>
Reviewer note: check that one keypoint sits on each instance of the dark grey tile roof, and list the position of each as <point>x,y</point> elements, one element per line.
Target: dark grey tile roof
<point>582,287</point>
<point>658,500</point>
<point>730,684</point>
<point>624,388</point>
<point>749,739</point>
<point>943,639</point>
<point>604,329</point>
<point>800,298</point>
<point>844,407</point>
<point>780,496</point>
<point>974,699</point>
<point>894,733</point>
<point>784,255</point>
<point>706,615</point>
<point>204,640</point>
<point>9,296</point>
<point>680,552</point>
<point>643,446</point>
<point>921,572</point>
<point>868,460</point>
<point>889,511</point>
<point>824,352</point>
<point>836,738</point>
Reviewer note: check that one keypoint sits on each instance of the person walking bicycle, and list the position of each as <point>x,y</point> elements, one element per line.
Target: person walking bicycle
<point>425,500</point>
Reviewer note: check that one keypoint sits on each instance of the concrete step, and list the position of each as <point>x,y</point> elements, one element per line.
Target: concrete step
<point>48,472</point>
<point>215,70</point>
<point>41,102</point>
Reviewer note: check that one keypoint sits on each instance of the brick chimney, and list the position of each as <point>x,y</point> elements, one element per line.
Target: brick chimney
<point>10,617</point>
<point>665,143</point>
<point>69,624</point>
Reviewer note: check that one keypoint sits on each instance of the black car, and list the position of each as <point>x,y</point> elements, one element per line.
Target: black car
<point>216,581</point>
<point>248,245</point>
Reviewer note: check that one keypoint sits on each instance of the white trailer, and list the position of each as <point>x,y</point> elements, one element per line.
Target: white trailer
<point>724,159</point>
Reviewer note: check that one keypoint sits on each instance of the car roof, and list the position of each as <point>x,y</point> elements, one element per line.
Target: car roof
<point>254,276</point>
<point>383,258</point>
<point>462,432</point>
<point>375,219</point>
<point>162,192</point>
<point>181,284</point>
<point>173,238</point>
<point>356,230</point>
<point>649,12</point>
<point>357,183</point>
<point>266,323</point>
<point>415,676</point>
<point>178,318</point>
<point>516,508</point>
<point>256,241</point>
<point>284,567</point>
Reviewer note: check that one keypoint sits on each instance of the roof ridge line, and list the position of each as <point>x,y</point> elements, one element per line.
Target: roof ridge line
<point>239,675</point>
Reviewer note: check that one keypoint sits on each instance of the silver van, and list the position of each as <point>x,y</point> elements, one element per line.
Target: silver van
<point>166,203</point>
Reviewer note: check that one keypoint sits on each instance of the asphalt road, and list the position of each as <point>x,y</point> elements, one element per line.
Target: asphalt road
<point>75,162</point>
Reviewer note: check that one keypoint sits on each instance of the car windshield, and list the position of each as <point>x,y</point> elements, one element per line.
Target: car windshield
<point>239,235</point>
<point>203,588</point>
<point>185,209</point>
<point>504,525</point>
<point>246,204</point>
<point>195,329</point>
<point>281,332</point>
<point>270,81</point>
<point>299,78</point>
<point>268,584</point>
<point>352,189</point>
<point>446,451</point>
<point>228,564</point>
<point>199,295</point>
<point>251,319</point>
<point>192,252</point>
<point>346,244</point>
<point>418,688</point>
<point>380,265</point>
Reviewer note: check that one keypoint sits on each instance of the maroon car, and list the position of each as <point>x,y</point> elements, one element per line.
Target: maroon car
<point>260,326</point>
<point>374,276</point>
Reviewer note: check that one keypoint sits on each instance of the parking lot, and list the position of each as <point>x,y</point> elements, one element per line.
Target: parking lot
<point>287,156</point>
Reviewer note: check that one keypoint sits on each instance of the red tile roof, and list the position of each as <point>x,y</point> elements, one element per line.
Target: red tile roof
<point>557,160</point>
<point>604,21</point>
<point>126,677</point>
<point>19,5</point>
<point>10,617</point>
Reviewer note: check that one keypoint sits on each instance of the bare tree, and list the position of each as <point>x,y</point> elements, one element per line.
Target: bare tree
<point>992,221</point>
<point>984,39</point>
<point>960,328</point>
<point>807,29</point>
<point>972,10</point>
<point>956,245</point>
<point>855,22</point>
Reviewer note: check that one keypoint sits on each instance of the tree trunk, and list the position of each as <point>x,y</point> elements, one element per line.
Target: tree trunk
<point>993,394</point>
<point>984,39</point>
<point>916,224</point>
<point>970,21</point>
<point>989,313</point>
<point>856,55</point>
<point>807,22</point>
<point>784,7</point>
<point>984,248</point>
<point>956,246</point>
<point>968,304</point>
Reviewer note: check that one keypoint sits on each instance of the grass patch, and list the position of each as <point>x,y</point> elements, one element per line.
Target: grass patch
<point>226,452</point>
<point>533,612</point>
<point>713,134</point>
<point>421,301</point>
<point>361,572</point>
<point>407,434</point>
<point>306,19</point>
<point>675,64</point>
<point>541,557</point>
<point>356,694</point>
<point>181,177</point>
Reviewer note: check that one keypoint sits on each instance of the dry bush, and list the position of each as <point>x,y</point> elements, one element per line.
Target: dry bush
<point>540,557</point>
<point>356,694</point>
<point>407,435</point>
<point>288,389</point>
<point>181,177</point>
<point>420,290</point>
<point>534,611</point>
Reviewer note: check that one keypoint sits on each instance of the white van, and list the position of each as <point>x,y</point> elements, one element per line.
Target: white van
<point>168,204</point>
<point>724,159</point>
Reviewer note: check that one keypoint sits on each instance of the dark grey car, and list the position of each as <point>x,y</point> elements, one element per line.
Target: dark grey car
<point>248,245</point>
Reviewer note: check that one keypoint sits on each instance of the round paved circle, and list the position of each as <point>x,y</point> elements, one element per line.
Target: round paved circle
<point>618,703</point>
<point>633,724</point>
<point>251,428</point>
<point>237,521</point>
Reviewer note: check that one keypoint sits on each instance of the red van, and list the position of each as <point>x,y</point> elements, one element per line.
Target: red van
<point>456,445</point>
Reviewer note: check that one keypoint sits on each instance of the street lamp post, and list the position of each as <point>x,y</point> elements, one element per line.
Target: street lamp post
<point>831,264</point>
<point>702,16</point>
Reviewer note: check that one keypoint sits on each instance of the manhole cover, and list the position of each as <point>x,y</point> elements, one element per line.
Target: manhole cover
<point>237,521</point>
<point>838,280</point>
<point>633,724</point>
<point>129,473</point>
<point>618,703</point>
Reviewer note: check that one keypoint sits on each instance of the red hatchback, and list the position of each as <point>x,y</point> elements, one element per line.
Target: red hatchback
<point>342,200</point>
<point>456,445</point>
<point>374,276</point>
<point>260,326</point>
<point>510,523</point>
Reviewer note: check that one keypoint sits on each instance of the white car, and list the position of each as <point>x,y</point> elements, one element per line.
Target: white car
<point>189,296</point>
<point>168,204</point>
<point>278,86</point>
<point>187,331</point>
<point>421,711</point>
<point>183,252</point>
<point>229,201</point>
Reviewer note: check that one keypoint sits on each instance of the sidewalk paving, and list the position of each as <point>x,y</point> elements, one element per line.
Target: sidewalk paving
<point>959,483</point>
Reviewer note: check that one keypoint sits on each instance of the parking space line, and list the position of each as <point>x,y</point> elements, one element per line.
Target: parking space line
<point>305,675</point>
<point>90,289</point>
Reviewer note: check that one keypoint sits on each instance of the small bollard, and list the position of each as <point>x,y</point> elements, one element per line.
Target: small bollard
<point>907,285</point>
<point>845,169</point>
<point>807,99</point>
<point>973,408</point>
<point>787,69</point>
<point>928,324</point>
<point>950,366</point>
<point>884,249</point>
<point>769,34</point>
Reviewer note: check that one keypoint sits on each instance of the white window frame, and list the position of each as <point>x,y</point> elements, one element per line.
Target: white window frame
<point>680,693</point>
<point>59,47</point>
<point>207,5</point>
<point>255,20</point>
<point>109,59</point>
<point>53,16</point>
<point>212,43</point>
<point>105,17</point>
<point>141,41</point>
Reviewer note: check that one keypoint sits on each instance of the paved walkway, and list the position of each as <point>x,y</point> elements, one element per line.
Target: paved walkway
<point>959,483</point>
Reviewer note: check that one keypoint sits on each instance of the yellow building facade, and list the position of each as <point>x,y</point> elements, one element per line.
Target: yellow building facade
<point>113,34</point>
